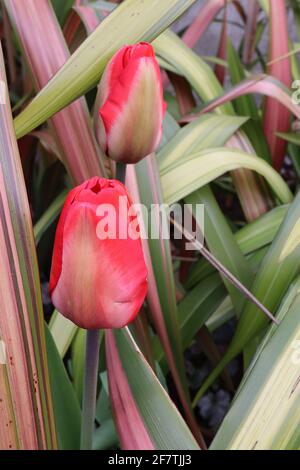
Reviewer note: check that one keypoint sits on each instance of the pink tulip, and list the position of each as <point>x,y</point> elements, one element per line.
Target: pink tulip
<point>131,104</point>
<point>96,282</point>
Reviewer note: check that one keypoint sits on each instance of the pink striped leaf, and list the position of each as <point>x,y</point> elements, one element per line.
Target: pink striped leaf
<point>276,115</point>
<point>205,16</point>
<point>130,22</point>
<point>202,79</point>
<point>140,403</point>
<point>26,413</point>
<point>45,54</point>
<point>184,94</point>
<point>260,84</point>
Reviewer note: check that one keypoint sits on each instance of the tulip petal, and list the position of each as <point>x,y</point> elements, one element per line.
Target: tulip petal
<point>134,109</point>
<point>111,73</point>
<point>131,104</point>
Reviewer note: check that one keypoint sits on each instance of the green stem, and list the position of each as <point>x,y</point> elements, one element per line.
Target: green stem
<point>90,388</point>
<point>121,172</point>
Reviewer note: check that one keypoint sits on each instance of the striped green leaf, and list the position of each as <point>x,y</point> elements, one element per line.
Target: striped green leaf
<point>265,413</point>
<point>203,167</point>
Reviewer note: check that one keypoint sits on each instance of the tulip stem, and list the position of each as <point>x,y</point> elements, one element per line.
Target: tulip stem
<point>90,388</point>
<point>121,172</point>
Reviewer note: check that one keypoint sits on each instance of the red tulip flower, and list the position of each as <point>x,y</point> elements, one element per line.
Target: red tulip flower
<point>97,282</point>
<point>131,104</point>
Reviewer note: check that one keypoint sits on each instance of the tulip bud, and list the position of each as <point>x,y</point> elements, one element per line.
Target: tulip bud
<point>131,104</point>
<point>97,281</point>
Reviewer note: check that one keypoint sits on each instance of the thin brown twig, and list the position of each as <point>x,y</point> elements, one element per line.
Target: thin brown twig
<point>226,273</point>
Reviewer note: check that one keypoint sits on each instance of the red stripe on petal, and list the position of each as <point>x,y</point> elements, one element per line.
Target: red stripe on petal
<point>58,242</point>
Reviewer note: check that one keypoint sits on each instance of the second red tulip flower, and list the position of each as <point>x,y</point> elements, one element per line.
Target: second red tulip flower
<point>131,104</point>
